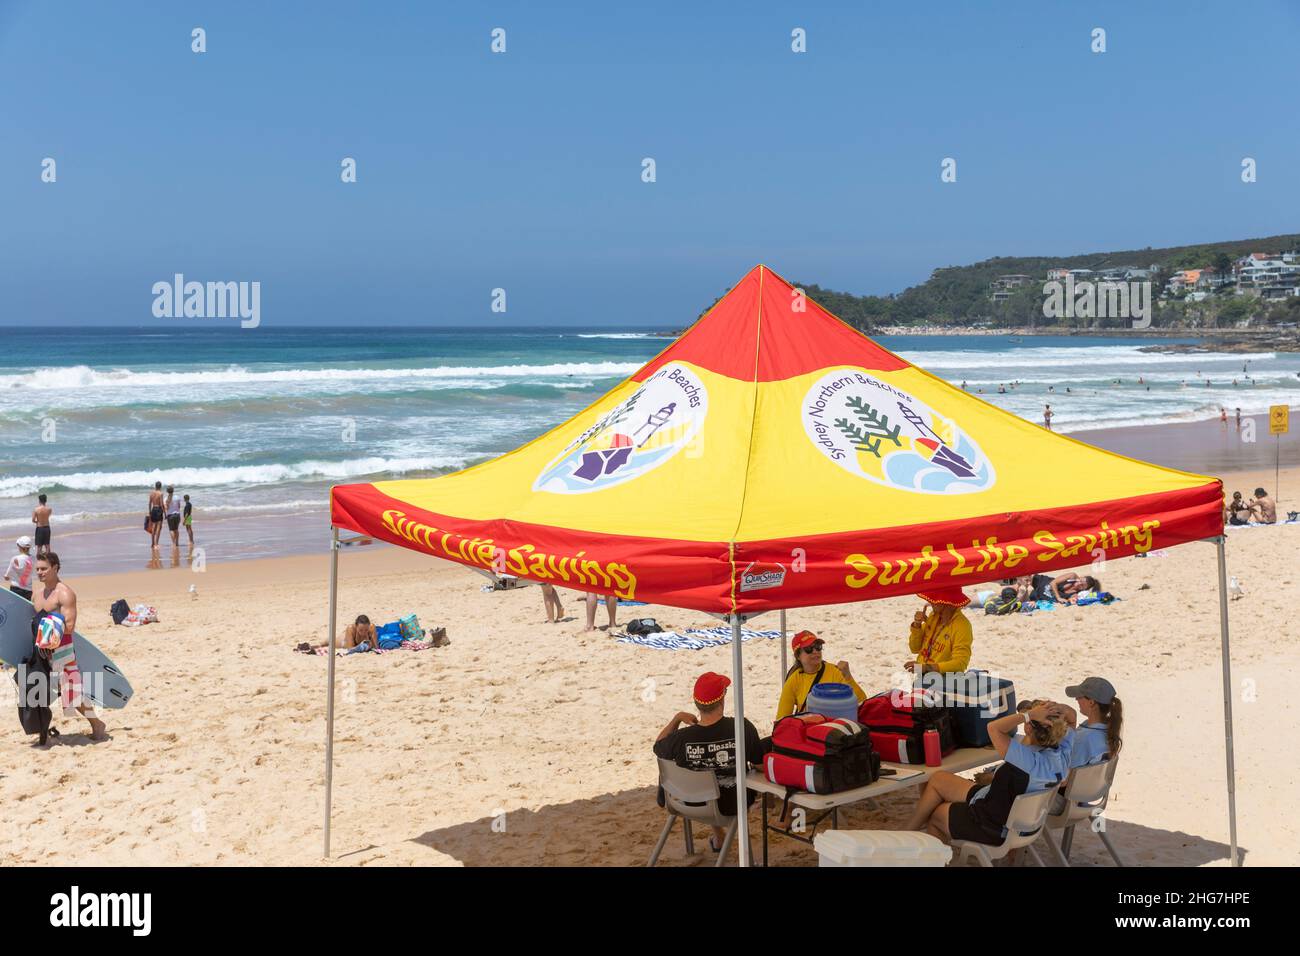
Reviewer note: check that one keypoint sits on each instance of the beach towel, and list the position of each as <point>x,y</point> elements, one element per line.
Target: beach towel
<point>406,646</point>
<point>63,664</point>
<point>143,614</point>
<point>1089,597</point>
<point>692,638</point>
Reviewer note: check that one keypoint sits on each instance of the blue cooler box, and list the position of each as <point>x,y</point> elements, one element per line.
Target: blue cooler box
<point>976,702</point>
<point>832,701</point>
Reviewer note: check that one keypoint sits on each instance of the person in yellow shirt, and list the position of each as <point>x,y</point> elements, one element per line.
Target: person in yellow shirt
<point>941,638</point>
<point>809,669</point>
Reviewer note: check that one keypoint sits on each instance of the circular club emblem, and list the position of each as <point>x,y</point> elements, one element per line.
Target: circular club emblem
<point>654,423</point>
<point>874,430</point>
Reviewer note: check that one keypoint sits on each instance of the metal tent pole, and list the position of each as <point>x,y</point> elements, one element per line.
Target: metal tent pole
<point>329,693</point>
<point>738,682</point>
<point>1227,698</point>
<point>784,666</point>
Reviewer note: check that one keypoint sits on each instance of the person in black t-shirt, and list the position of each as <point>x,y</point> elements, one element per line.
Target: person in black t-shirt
<point>708,742</point>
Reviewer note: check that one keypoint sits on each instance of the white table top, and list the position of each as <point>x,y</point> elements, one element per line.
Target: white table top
<point>908,775</point>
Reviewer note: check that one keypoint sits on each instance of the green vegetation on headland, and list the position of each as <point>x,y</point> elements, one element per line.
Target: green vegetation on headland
<point>1009,292</point>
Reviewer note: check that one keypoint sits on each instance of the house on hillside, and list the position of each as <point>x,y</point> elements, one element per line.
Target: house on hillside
<point>1001,286</point>
<point>1261,269</point>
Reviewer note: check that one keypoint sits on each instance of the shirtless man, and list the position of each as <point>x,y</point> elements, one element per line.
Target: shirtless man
<point>156,513</point>
<point>41,518</point>
<point>1263,508</point>
<point>56,597</point>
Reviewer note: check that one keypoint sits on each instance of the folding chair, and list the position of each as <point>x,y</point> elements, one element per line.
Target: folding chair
<point>692,795</point>
<point>1087,790</point>
<point>1024,824</point>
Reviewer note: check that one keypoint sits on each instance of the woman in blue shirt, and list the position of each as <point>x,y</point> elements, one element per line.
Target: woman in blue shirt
<point>954,808</point>
<point>1098,737</point>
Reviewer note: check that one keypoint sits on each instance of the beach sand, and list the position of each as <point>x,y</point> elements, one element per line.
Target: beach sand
<point>524,743</point>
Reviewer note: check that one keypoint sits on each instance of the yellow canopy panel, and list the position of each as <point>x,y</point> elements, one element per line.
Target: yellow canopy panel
<point>774,457</point>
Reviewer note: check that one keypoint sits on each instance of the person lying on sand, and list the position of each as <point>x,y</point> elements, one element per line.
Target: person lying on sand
<point>1067,587</point>
<point>357,633</point>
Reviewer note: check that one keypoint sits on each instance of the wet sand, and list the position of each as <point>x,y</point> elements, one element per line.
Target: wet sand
<point>1205,447</point>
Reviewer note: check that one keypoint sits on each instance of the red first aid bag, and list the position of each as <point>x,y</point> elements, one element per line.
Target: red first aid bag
<point>818,755</point>
<point>898,721</point>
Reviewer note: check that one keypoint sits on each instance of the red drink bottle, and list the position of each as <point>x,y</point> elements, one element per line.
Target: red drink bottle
<point>933,755</point>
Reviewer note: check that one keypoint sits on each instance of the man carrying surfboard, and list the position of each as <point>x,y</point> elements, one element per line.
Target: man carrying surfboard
<point>56,599</point>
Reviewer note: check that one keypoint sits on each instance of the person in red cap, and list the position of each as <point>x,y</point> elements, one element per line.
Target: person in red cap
<point>941,634</point>
<point>708,742</point>
<point>809,670</point>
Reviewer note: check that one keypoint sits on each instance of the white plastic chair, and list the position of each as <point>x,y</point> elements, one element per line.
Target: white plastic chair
<point>1087,790</point>
<point>692,795</point>
<point>1024,824</point>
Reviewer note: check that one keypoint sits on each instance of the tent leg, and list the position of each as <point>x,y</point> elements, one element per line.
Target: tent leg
<point>1227,698</point>
<point>738,682</point>
<point>329,693</point>
<point>784,666</point>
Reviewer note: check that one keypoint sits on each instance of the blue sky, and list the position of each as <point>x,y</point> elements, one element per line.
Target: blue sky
<point>523,170</point>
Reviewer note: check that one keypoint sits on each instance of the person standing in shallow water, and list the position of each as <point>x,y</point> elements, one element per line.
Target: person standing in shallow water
<point>41,519</point>
<point>173,507</point>
<point>156,514</point>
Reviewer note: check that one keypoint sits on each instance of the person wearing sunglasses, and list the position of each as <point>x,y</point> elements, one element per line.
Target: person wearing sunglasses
<point>808,671</point>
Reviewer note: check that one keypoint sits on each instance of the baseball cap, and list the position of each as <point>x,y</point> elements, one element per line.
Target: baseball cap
<point>710,688</point>
<point>802,640</point>
<point>1094,688</point>
<point>24,542</point>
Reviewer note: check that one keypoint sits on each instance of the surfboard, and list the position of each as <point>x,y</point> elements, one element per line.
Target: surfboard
<point>102,683</point>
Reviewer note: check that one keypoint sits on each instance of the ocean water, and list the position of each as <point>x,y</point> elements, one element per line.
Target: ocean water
<point>262,422</point>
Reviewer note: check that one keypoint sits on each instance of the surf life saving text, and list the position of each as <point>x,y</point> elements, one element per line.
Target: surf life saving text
<point>988,555</point>
<point>524,560</point>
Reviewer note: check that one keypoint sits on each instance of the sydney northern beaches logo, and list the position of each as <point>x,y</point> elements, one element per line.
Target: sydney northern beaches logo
<point>654,423</point>
<point>872,429</point>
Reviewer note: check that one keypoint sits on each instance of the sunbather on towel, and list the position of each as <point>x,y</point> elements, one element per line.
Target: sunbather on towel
<point>1262,508</point>
<point>1236,511</point>
<point>810,669</point>
<point>1067,587</point>
<point>359,632</point>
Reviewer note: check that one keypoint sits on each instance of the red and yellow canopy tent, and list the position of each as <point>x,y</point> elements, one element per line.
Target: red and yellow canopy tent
<point>772,457</point>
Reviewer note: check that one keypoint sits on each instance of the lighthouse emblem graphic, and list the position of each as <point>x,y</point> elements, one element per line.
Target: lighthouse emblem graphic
<point>659,419</point>
<point>876,430</point>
